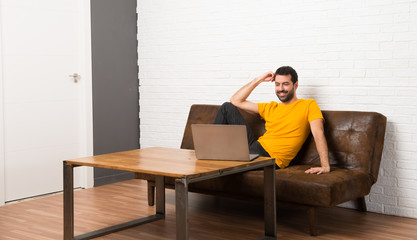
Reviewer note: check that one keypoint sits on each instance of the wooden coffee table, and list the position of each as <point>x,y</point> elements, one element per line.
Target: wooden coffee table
<point>168,162</point>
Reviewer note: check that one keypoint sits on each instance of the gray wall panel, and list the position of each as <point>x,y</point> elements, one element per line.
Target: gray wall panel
<point>115,82</point>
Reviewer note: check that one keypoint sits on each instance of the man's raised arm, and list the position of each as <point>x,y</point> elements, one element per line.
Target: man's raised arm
<point>239,98</point>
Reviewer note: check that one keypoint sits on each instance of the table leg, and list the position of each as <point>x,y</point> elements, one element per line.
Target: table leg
<point>270,211</point>
<point>160,195</point>
<point>68,202</point>
<point>181,208</point>
<point>69,209</point>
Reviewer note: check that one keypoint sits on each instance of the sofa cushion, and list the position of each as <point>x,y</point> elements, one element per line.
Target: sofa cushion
<point>330,189</point>
<point>293,185</point>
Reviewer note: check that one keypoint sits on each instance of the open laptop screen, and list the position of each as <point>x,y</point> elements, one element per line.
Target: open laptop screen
<point>221,142</point>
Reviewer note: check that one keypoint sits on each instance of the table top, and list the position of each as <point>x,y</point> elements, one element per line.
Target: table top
<point>169,162</point>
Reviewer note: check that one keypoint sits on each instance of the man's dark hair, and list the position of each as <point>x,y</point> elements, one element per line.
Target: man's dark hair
<point>287,70</point>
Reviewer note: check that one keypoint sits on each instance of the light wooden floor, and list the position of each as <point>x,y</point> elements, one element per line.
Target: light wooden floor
<point>210,217</point>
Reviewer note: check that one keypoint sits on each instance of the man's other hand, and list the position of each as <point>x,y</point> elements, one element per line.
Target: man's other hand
<point>318,170</point>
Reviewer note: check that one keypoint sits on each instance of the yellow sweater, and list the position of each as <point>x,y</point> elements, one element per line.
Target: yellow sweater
<point>287,127</point>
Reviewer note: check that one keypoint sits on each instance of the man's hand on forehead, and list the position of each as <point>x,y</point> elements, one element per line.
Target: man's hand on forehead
<point>267,77</point>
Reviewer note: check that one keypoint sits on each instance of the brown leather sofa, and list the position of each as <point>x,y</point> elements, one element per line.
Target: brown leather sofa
<point>355,141</point>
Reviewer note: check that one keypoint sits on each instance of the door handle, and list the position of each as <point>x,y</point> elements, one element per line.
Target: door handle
<point>76,77</point>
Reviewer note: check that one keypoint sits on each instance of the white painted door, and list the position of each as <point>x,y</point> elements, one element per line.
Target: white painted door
<point>47,115</point>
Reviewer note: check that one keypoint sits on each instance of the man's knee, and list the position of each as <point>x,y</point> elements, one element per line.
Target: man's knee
<point>227,105</point>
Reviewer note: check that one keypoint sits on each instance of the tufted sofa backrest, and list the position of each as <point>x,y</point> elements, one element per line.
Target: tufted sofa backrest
<point>355,139</point>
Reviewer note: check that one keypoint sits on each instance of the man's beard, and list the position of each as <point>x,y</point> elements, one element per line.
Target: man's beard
<point>286,98</point>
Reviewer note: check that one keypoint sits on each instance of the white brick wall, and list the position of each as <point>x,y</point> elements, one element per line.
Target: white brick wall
<point>350,55</point>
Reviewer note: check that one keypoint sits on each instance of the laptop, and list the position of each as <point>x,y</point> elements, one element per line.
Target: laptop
<point>221,142</point>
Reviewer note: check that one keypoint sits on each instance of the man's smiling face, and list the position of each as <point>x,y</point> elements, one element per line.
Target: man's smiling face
<point>284,88</point>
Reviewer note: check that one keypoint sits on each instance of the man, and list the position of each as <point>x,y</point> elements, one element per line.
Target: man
<point>287,124</point>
